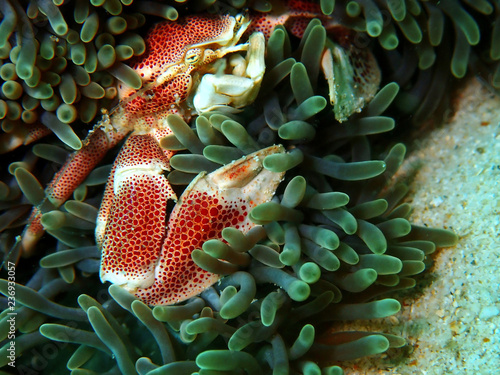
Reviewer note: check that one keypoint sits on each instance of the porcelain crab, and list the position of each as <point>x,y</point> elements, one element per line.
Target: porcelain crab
<point>168,88</point>
<point>131,221</point>
<point>192,65</point>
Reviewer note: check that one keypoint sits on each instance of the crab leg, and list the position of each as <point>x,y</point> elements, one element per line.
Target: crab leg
<point>22,135</point>
<point>208,205</point>
<point>70,176</point>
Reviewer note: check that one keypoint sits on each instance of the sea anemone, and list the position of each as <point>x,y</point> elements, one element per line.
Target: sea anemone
<point>334,242</point>
<point>425,44</point>
<point>62,61</point>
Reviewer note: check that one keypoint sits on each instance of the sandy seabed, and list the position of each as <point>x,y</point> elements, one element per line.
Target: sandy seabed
<point>452,320</point>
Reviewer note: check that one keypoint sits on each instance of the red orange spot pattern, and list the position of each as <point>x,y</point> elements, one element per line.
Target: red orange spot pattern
<point>35,132</point>
<point>34,231</point>
<point>69,177</point>
<point>141,149</point>
<point>135,228</point>
<point>161,98</point>
<point>303,6</point>
<point>202,216</point>
<point>295,16</point>
<point>74,171</point>
<point>265,23</point>
<point>167,44</point>
<point>77,168</point>
<point>134,234</point>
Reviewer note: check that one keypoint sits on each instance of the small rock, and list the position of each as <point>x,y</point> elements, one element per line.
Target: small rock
<point>436,202</point>
<point>488,312</point>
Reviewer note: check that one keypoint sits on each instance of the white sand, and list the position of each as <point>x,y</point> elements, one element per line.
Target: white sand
<point>452,325</point>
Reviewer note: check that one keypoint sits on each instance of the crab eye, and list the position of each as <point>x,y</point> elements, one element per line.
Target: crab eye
<point>239,18</point>
<point>192,56</point>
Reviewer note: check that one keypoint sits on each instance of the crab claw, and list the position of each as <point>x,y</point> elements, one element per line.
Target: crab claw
<point>131,222</point>
<point>209,204</point>
<point>230,92</point>
<point>353,78</point>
